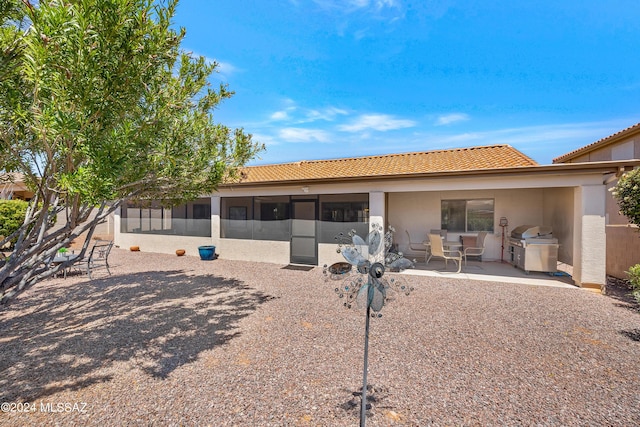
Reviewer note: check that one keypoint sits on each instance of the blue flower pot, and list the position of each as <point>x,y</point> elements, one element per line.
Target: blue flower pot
<point>207,253</point>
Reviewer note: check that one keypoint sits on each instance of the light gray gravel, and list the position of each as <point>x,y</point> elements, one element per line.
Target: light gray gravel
<point>172,340</point>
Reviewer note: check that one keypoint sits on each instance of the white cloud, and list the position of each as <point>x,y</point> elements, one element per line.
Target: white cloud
<point>226,69</point>
<point>304,135</point>
<point>379,122</point>
<point>279,115</point>
<point>265,139</point>
<point>380,4</point>
<point>447,119</point>
<point>328,114</point>
<point>349,6</point>
<point>294,114</point>
<point>541,142</point>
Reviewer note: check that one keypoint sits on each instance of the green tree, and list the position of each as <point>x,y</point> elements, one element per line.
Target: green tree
<point>99,104</point>
<point>627,194</point>
<point>12,213</point>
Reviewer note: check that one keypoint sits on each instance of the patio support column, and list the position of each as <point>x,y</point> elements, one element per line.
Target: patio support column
<point>116,226</point>
<point>376,208</point>
<point>215,220</point>
<point>589,238</point>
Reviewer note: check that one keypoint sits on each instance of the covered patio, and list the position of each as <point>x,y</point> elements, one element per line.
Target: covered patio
<point>494,271</point>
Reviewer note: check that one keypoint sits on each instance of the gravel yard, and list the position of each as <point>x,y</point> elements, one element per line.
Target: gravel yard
<point>171,340</point>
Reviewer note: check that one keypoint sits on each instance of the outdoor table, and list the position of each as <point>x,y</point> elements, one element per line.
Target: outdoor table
<point>59,259</point>
<point>452,244</point>
<point>449,243</point>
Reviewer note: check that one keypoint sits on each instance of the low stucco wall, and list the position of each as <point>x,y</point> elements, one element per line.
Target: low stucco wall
<point>623,249</point>
<point>328,254</point>
<point>159,243</point>
<point>254,250</point>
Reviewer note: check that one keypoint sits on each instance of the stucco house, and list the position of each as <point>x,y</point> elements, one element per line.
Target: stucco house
<point>623,239</point>
<point>291,213</point>
<point>12,187</point>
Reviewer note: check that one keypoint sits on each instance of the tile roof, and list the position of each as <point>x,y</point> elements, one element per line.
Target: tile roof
<point>459,159</point>
<point>599,143</point>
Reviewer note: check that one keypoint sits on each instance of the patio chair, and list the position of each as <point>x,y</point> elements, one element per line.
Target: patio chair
<point>99,256</point>
<point>438,250</point>
<point>476,250</point>
<point>442,233</point>
<point>417,246</point>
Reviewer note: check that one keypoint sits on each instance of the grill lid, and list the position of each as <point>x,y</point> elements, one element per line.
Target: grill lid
<point>531,231</point>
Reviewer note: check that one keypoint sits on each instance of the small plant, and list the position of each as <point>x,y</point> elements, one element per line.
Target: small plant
<point>634,279</point>
<point>63,251</point>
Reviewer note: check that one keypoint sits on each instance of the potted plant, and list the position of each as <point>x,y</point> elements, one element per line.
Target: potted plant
<point>63,252</point>
<point>207,252</point>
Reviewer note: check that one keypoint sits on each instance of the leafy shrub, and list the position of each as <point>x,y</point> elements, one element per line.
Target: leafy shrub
<point>627,194</point>
<point>634,278</point>
<point>12,214</point>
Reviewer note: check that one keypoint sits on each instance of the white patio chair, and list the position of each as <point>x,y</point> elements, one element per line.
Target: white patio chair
<point>442,233</point>
<point>419,247</point>
<point>476,250</point>
<point>438,250</point>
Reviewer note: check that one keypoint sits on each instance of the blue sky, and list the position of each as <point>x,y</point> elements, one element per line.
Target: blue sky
<point>320,79</point>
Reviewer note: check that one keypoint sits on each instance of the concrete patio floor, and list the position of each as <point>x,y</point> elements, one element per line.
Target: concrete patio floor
<point>494,271</point>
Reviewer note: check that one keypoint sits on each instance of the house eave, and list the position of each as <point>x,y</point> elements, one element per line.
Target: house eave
<point>604,168</point>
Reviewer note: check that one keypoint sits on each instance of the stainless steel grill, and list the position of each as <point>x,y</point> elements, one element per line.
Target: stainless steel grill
<point>533,248</point>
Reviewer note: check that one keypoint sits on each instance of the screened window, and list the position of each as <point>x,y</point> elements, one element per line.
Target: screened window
<point>269,217</point>
<point>468,215</point>
<point>236,217</point>
<point>191,219</point>
<point>256,218</point>
<point>341,213</point>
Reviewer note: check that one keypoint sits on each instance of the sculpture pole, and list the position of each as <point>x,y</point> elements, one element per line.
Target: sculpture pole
<point>363,402</point>
<point>371,258</point>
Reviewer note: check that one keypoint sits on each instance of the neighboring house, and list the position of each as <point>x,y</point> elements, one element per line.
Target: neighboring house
<point>623,238</point>
<point>12,187</point>
<point>291,213</point>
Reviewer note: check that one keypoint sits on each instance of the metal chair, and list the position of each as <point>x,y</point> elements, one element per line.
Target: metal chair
<point>441,232</point>
<point>417,246</point>
<point>99,256</point>
<point>438,250</point>
<point>476,250</point>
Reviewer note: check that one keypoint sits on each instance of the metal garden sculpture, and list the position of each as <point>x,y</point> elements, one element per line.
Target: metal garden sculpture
<point>370,289</point>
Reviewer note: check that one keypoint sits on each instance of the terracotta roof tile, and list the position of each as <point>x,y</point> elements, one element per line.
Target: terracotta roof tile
<point>599,143</point>
<point>459,159</point>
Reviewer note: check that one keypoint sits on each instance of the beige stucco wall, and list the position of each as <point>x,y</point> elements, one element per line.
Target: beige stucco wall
<point>625,149</point>
<point>558,213</point>
<point>165,244</point>
<point>254,250</point>
<point>623,249</point>
<point>327,254</point>
<point>589,236</point>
